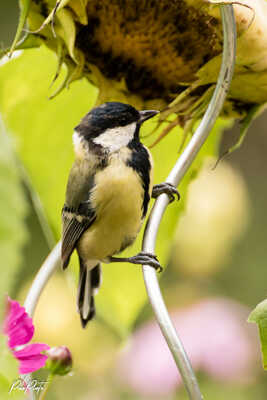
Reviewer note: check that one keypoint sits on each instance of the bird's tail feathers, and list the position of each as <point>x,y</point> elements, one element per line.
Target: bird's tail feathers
<point>89,282</point>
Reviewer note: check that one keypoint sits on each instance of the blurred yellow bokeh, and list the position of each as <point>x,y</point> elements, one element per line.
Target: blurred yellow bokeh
<point>216,215</point>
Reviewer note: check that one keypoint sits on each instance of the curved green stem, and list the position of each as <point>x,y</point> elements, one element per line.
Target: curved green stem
<point>47,386</point>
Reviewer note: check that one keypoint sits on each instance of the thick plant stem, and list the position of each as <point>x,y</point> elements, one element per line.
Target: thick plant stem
<point>175,176</point>
<point>46,271</point>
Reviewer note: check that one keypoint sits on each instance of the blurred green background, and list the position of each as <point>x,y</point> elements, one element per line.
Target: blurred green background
<point>215,256</point>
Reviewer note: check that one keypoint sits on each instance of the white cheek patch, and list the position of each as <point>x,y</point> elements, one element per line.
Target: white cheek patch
<point>115,138</point>
<point>78,144</point>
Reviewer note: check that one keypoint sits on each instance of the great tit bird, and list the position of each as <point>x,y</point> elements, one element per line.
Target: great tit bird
<point>108,190</point>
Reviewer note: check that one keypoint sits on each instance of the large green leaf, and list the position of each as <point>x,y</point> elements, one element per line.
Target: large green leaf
<point>43,130</point>
<point>13,209</point>
<point>13,236</point>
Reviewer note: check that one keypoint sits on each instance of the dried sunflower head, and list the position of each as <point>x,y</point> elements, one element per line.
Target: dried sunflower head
<point>156,53</point>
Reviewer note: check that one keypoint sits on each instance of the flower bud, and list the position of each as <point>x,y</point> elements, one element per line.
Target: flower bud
<point>59,360</point>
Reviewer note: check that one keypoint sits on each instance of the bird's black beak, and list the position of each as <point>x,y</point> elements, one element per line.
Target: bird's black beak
<point>146,114</point>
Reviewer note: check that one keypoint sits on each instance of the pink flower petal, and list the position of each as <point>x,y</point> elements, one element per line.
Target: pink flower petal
<point>30,358</point>
<point>18,325</point>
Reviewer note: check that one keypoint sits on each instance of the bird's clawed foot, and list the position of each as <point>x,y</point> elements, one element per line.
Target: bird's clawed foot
<point>142,258</point>
<point>166,188</point>
<point>146,259</point>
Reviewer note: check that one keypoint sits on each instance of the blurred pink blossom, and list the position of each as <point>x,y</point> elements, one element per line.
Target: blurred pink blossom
<point>19,328</point>
<point>216,337</point>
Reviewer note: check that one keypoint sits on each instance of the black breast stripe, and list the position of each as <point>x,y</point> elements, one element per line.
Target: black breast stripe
<point>140,162</point>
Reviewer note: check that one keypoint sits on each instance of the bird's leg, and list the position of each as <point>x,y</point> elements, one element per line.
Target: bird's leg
<point>140,258</point>
<point>167,188</point>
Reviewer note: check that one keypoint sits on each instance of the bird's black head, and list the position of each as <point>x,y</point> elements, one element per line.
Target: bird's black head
<point>111,115</point>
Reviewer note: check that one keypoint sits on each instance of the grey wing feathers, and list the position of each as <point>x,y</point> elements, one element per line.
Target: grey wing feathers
<point>77,213</point>
<point>72,231</point>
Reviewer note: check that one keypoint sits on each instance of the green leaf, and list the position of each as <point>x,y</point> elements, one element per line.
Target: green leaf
<point>43,130</point>
<point>13,209</point>
<point>42,127</point>
<point>259,316</point>
<point>13,236</point>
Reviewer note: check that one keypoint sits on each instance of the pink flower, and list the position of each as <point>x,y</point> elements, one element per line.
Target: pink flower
<point>19,328</point>
<point>18,325</point>
<point>216,336</point>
